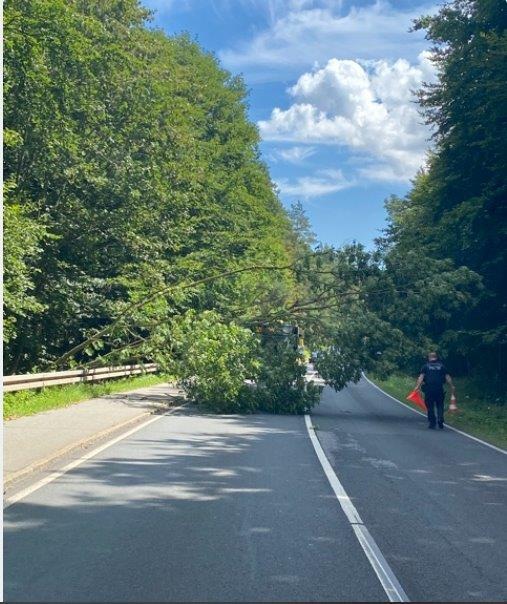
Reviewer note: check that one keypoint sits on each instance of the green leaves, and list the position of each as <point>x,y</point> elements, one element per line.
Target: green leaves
<point>226,368</point>
<point>22,247</point>
<point>450,232</point>
<point>136,200</point>
<point>213,360</point>
<point>133,150</point>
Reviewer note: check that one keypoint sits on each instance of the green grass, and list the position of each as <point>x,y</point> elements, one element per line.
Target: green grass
<point>478,414</point>
<point>28,402</point>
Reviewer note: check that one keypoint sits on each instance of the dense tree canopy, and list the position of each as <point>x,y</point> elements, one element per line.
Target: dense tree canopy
<point>456,213</point>
<point>130,164</point>
<point>141,223</point>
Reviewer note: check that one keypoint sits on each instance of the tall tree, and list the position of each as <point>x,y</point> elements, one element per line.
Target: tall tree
<point>455,216</point>
<point>134,153</point>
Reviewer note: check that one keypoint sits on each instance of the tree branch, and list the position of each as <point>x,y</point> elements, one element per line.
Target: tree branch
<point>106,330</point>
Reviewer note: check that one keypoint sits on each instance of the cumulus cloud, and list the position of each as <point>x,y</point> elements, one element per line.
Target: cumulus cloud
<point>366,107</point>
<point>325,182</point>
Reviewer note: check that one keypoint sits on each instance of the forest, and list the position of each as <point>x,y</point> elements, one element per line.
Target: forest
<point>141,223</point>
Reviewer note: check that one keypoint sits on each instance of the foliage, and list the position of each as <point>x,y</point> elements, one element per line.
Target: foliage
<point>213,360</point>
<point>456,212</point>
<point>20,251</point>
<point>134,151</point>
<point>301,237</point>
<point>281,386</point>
<point>227,368</point>
<point>141,223</point>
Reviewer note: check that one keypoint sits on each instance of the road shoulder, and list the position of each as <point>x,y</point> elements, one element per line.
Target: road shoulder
<point>36,442</point>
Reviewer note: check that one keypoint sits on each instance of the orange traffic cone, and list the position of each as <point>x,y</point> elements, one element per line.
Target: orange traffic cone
<point>453,406</point>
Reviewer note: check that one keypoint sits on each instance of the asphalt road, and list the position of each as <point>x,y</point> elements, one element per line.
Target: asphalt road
<point>434,501</point>
<point>225,508</point>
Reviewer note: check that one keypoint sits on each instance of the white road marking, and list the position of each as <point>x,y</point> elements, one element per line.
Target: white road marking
<point>482,442</point>
<point>387,578</point>
<point>77,462</point>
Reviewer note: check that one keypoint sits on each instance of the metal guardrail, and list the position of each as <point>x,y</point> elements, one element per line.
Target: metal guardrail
<point>11,383</point>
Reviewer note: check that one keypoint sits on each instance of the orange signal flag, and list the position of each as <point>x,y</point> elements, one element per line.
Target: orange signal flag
<point>416,398</point>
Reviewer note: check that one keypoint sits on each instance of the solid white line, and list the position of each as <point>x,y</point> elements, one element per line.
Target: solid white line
<point>482,442</point>
<point>387,578</point>
<point>77,462</point>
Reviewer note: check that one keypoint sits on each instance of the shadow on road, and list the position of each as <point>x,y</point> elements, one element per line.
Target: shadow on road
<point>209,507</point>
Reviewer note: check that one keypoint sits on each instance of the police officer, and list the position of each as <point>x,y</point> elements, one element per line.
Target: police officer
<point>432,378</point>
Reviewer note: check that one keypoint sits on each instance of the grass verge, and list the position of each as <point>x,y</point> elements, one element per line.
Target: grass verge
<point>29,402</point>
<point>478,414</point>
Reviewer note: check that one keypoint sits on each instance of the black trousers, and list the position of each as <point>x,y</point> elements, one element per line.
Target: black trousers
<point>434,398</point>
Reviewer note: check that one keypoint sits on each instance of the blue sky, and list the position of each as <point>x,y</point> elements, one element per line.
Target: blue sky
<point>331,88</point>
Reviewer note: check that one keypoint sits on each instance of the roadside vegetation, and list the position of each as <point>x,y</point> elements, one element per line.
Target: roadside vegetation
<point>482,414</point>
<point>141,223</point>
<point>29,402</point>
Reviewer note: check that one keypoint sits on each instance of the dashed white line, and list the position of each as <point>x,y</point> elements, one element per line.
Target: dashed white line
<point>386,576</point>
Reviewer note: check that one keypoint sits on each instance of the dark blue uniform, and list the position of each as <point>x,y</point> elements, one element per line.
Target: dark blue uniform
<point>433,387</point>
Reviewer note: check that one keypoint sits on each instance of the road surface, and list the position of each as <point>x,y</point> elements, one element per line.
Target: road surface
<point>435,501</point>
<point>199,507</point>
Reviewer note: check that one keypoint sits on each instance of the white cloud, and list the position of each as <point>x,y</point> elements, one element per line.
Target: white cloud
<point>367,107</point>
<point>294,155</point>
<point>381,173</point>
<point>304,33</point>
<point>326,181</point>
